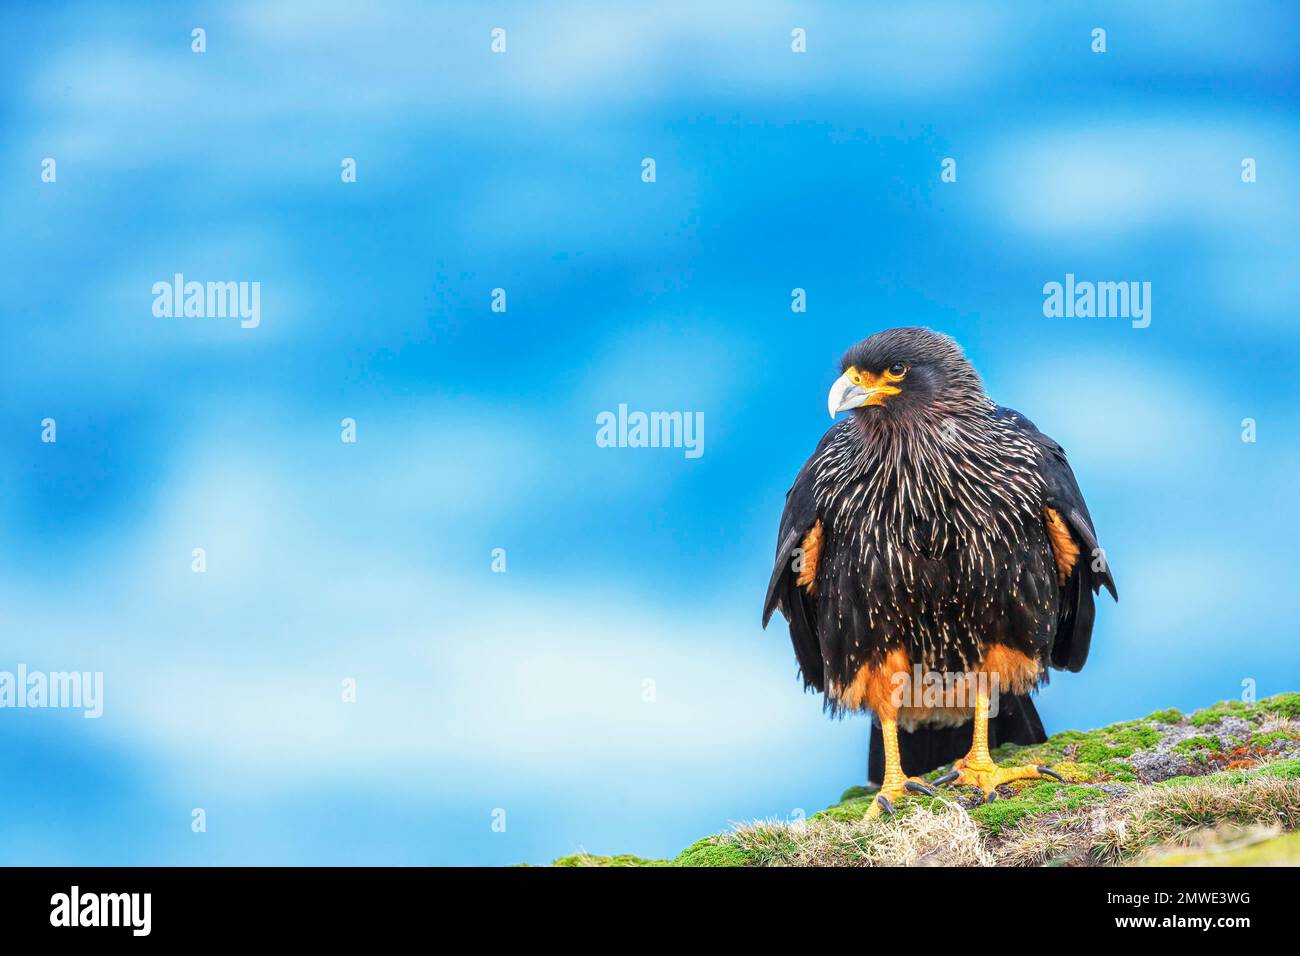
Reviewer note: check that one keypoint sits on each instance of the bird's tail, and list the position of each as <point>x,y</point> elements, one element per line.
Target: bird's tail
<point>926,748</point>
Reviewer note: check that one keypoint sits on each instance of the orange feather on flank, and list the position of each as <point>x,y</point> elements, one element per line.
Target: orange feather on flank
<point>875,688</point>
<point>1015,671</point>
<point>1063,546</point>
<point>812,551</point>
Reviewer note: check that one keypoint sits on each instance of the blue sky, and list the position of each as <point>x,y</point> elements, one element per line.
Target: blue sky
<point>476,430</point>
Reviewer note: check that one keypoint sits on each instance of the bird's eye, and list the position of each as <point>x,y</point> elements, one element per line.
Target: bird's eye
<point>897,370</point>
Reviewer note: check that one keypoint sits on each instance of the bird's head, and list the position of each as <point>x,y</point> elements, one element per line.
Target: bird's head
<point>905,373</point>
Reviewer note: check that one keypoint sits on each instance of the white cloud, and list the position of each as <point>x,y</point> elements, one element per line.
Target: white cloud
<point>399,66</point>
<point>1118,415</point>
<point>1110,177</point>
<point>241,667</point>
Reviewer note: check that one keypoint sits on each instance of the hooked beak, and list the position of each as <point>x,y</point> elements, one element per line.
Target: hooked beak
<point>845,394</point>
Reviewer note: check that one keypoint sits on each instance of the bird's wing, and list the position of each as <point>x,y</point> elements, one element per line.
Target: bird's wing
<point>792,586</point>
<point>1083,567</point>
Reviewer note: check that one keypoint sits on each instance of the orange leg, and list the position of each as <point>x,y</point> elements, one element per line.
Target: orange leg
<point>977,767</point>
<point>895,783</point>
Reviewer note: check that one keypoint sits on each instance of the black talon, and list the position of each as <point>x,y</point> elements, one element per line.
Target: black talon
<point>1049,772</point>
<point>885,804</point>
<point>915,787</point>
<point>992,795</point>
<point>948,777</point>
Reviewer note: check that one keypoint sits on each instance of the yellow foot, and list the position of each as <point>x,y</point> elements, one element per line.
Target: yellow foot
<point>988,776</point>
<point>892,790</point>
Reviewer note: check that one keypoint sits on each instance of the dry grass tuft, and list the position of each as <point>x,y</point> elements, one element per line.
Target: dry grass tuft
<point>945,837</point>
<point>1188,813</point>
<point>1280,723</point>
<point>1176,815</point>
<point>1172,816</point>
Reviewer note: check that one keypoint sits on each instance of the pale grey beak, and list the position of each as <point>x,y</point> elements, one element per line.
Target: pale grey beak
<point>845,395</point>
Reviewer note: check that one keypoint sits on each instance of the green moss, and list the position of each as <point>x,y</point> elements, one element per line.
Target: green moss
<point>1268,740</point>
<point>623,859</point>
<point>847,812</point>
<point>759,844</point>
<point>1119,740</point>
<point>1052,751</point>
<point>1079,772</point>
<point>715,851</point>
<point>1224,708</point>
<point>857,793</point>
<point>1170,716</point>
<point>1118,770</point>
<point>1069,737</point>
<point>1279,705</point>
<point>1283,705</point>
<point>1000,814</point>
<point>1193,744</point>
<point>1093,755</point>
<point>1033,801</point>
<point>1072,797</point>
<point>1285,769</point>
<point>854,809</point>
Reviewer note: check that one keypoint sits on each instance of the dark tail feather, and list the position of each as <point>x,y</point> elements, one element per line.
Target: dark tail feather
<point>926,748</point>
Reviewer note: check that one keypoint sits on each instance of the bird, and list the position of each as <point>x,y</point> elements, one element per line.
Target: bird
<point>935,561</point>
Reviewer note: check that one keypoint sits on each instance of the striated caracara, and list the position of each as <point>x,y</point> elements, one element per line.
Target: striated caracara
<point>934,560</point>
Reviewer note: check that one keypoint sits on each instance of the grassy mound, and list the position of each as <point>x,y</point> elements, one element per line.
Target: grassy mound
<point>1217,787</point>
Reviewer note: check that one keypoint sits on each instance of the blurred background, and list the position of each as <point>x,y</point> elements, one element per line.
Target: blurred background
<point>612,690</point>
